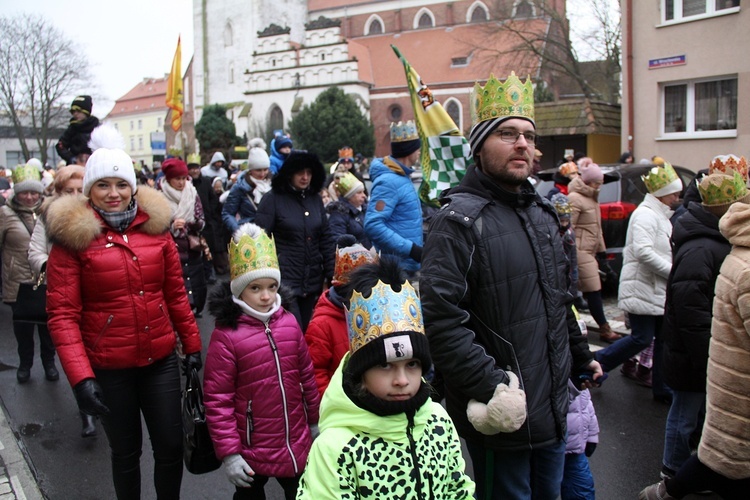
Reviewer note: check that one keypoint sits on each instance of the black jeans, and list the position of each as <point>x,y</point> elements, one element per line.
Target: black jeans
<point>24,333</point>
<point>257,490</point>
<point>154,391</point>
<point>596,306</point>
<point>302,308</point>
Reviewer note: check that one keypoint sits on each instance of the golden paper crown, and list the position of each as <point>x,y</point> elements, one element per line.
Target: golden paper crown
<point>26,173</point>
<point>194,158</point>
<point>384,311</point>
<point>496,99</point>
<point>346,153</point>
<point>250,253</point>
<point>659,177</point>
<point>402,132</point>
<point>722,189</point>
<point>346,183</point>
<point>725,163</point>
<point>568,168</point>
<point>561,204</point>
<point>348,259</point>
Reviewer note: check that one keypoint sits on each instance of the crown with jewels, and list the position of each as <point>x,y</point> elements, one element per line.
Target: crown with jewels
<point>659,177</point>
<point>348,259</point>
<point>194,158</point>
<point>721,189</point>
<point>250,254</point>
<point>724,163</point>
<point>26,172</point>
<point>383,312</point>
<point>402,132</point>
<point>502,99</point>
<point>346,153</point>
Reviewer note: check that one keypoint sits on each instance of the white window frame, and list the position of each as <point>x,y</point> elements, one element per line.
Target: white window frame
<point>518,2</point>
<point>371,20</point>
<point>690,132</point>
<point>460,123</point>
<point>423,10</point>
<point>476,5</point>
<point>679,19</point>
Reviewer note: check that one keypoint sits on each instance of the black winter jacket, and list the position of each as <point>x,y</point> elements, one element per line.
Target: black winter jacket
<point>299,225</point>
<point>75,139</point>
<point>494,295</point>
<point>213,231</point>
<point>345,219</point>
<point>698,249</point>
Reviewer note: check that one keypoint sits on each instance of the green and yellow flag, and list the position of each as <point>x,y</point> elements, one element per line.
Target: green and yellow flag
<point>174,89</point>
<point>445,152</point>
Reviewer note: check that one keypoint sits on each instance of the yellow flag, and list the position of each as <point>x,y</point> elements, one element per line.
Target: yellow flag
<point>174,89</point>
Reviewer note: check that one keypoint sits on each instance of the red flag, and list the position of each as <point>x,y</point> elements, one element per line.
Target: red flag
<point>174,89</point>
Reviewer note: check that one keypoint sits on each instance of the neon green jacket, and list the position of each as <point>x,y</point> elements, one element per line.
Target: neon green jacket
<point>360,455</point>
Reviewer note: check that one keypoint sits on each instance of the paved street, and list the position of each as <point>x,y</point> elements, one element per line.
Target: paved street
<point>44,418</point>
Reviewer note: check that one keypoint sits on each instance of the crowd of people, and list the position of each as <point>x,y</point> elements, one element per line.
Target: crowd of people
<point>351,347</point>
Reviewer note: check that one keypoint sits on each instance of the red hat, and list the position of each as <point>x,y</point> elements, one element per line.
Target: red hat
<point>174,167</point>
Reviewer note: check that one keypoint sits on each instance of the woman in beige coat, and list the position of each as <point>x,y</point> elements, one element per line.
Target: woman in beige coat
<point>586,219</point>
<point>722,464</point>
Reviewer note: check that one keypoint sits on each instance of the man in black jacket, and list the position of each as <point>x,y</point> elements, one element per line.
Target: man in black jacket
<point>213,232</point>
<point>73,145</point>
<point>497,313</point>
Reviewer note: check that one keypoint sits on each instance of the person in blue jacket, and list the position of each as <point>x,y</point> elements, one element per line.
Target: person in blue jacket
<point>281,146</point>
<point>243,199</point>
<point>393,221</point>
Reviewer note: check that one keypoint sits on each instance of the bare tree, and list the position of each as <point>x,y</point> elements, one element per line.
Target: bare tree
<point>39,71</point>
<point>540,29</point>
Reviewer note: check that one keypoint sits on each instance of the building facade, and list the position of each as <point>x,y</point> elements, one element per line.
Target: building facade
<point>685,80</point>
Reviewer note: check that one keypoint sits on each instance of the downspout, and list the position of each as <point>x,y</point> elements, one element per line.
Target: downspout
<point>204,36</point>
<point>629,74</point>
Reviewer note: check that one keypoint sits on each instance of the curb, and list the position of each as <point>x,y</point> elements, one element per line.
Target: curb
<point>17,482</point>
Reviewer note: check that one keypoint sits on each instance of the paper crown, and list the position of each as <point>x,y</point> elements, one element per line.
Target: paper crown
<point>659,178</point>
<point>347,153</point>
<point>568,168</point>
<point>27,172</point>
<point>347,184</point>
<point>724,163</point>
<point>383,312</point>
<point>502,99</point>
<point>194,159</point>
<point>561,204</point>
<point>348,259</point>
<point>402,132</point>
<point>250,251</point>
<point>722,189</point>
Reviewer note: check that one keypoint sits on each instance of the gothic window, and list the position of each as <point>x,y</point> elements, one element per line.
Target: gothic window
<point>523,8</point>
<point>231,73</point>
<point>276,118</point>
<point>453,108</point>
<point>228,35</point>
<point>395,113</point>
<point>424,19</point>
<point>374,25</point>
<point>478,13</point>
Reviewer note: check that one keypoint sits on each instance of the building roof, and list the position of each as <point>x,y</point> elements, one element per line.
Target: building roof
<point>147,96</point>
<point>313,5</point>
<point>431,53</point>
<point>578,116</point>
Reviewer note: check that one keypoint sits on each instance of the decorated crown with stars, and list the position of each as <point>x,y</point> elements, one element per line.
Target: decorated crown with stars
<point>659,180</point>
<point>718,191</point>
<point>252,255</point>
<point>511,98</point>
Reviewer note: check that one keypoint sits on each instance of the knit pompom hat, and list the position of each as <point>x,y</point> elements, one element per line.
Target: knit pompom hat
<point>257,159</point>
<point>252,256</point>
<point>27,178</point>
<point>174,167</point>
<point>591,173</point>
<point>108,159</point>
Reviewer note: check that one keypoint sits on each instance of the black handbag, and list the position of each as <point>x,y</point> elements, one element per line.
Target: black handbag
<point>31,302</point>
<point>198,448</point>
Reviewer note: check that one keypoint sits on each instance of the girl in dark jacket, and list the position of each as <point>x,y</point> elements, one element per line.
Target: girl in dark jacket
<point>347,214</point>
<point>292,212</point>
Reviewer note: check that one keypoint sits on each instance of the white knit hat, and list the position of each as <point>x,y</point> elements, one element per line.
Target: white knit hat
<point>108,159</point>
<point>257,159</point>
<point>252,256</point>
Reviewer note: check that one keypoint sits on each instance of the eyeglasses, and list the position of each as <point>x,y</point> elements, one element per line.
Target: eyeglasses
<point>345,161</point>
<point>511,136</point>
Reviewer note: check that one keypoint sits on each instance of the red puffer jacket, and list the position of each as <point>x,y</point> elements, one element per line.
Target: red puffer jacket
<point>259,389</point>
<point>115,299</point>
<point>328,340</point>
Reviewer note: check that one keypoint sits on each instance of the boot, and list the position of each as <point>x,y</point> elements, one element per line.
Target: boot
<point>629,369</point>
<point>607,335</point>
<point>88,425</point>
<point>50,371</point>
<point>23,374</point>
<point>643,376</point>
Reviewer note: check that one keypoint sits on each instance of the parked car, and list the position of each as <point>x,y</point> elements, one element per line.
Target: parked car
<point>622,191</point>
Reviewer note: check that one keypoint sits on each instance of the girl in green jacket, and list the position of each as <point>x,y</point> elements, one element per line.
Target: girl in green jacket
<point>381,435</point>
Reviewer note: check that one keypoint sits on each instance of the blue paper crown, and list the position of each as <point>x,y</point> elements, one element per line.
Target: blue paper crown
<point>402,132</point>
<point>383,312</point>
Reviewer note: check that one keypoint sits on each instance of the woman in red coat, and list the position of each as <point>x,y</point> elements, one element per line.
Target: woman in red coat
<point>115,299</point>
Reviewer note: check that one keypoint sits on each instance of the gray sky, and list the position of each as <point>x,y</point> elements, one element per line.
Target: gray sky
<point>124,40</point>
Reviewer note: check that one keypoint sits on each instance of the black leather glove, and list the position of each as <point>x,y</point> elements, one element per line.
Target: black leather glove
<point>590,448</point>
<point>89,397</point>
<point>192,361</point>
<point>416,252</point>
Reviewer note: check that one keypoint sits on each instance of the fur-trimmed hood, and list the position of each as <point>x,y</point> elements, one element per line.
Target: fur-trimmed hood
<point>296,162</point>
<point>226,312</point>
<point>72,223</point>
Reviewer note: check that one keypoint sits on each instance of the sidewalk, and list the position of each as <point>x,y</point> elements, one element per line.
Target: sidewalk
<point>16,479</point>
<point>615,317</point>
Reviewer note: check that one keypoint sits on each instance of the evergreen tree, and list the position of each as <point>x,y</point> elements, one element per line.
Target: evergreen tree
<point>216,132</point>
<point>332,121</point>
